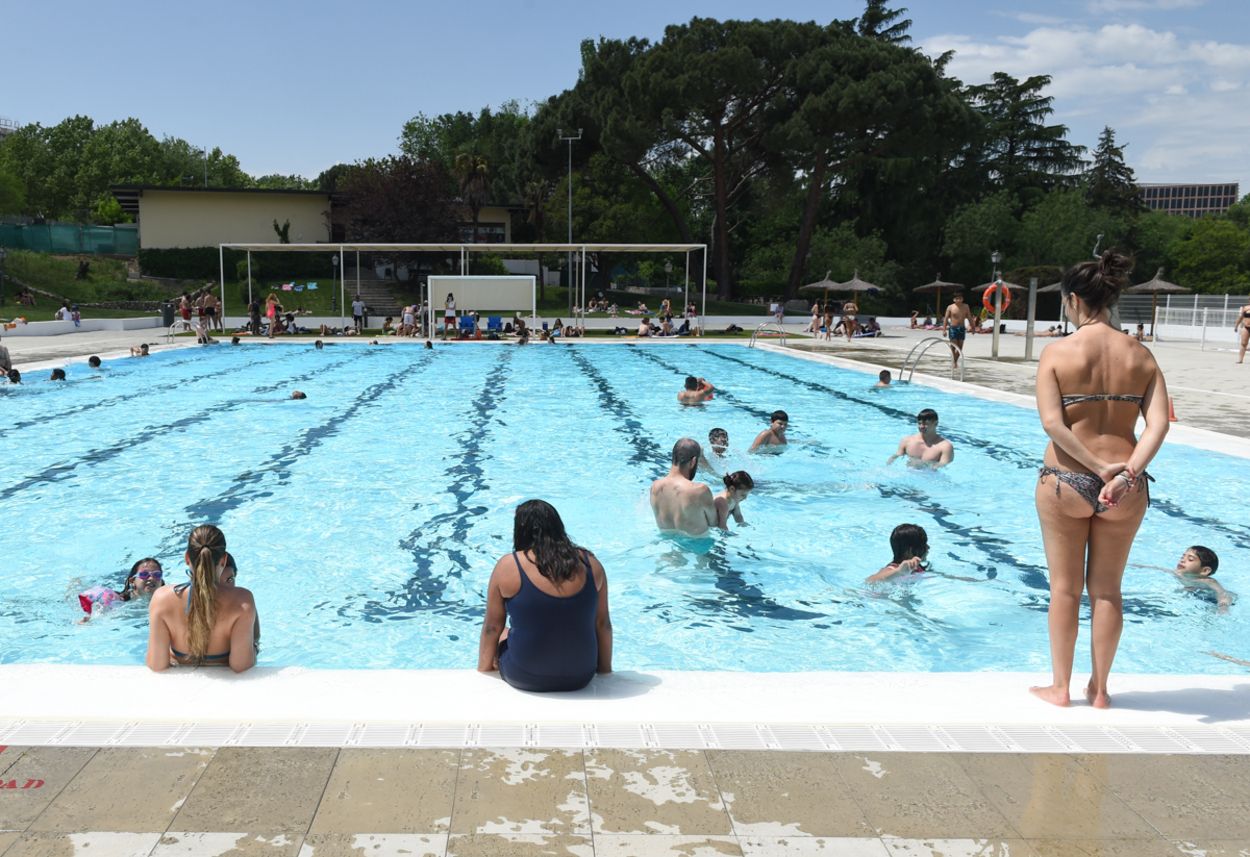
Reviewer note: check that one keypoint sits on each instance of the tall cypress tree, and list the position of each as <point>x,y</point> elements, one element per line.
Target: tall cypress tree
<point>1109,182</point>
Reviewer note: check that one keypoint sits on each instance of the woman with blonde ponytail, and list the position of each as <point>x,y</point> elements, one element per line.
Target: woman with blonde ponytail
<point>205,622</point>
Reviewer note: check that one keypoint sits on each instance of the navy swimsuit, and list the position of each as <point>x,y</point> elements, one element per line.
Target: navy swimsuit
<point>552,644</point>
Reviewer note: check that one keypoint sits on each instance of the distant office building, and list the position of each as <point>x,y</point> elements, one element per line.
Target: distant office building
<point>7,127</point>
<point>1191,200</point>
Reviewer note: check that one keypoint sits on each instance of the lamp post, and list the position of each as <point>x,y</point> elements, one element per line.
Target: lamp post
<point>334,293</point>
<point>570,140</point>
<point>2,254</point>
<point>996,259</point>
<point>668,272</point>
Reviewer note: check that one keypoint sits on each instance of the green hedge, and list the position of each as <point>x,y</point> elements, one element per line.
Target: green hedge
<point>203,263</point>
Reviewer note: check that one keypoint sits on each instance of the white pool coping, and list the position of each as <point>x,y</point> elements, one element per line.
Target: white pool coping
<point>54,704</point>
<point>921,712</point>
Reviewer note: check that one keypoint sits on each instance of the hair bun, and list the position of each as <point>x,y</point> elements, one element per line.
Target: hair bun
<point>1114,268</point>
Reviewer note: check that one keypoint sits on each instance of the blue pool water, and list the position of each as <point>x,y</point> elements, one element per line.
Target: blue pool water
<point>367,518</point>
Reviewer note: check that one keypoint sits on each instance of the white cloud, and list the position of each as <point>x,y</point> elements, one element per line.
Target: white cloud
<point>1104,6</point>
<point>1031,18</point>
<point>1180,105</point>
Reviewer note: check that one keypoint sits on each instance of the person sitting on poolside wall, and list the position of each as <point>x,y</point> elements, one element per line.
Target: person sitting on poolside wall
<point>547,626</point>
<point>775,434</point>
<point>910,544</point>
<point>203,622</point>
<point>679,503</point>
<point>926,448</point>
<point>883,378</point>
<point>696,392</point>
<point>738,487</point>
<point>145,577</point>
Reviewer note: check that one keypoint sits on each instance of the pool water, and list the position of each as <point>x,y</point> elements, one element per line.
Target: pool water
<point>367,518</point>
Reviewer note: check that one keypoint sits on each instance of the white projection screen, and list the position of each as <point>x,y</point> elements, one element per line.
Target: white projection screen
<point>486,295</point>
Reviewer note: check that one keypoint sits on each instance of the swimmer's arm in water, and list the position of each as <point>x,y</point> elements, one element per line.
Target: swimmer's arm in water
<point>1223,598</point>
<point>708,506</point>
<point>759,440</point>
<point>946,457</point>
<point>899,453</point>
<point>722,512</point>
<point>907,566</point>
<point>493,624</point>
<point>737,513</point>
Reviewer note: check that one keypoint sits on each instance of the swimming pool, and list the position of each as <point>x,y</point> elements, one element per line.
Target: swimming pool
<point>367,518</point>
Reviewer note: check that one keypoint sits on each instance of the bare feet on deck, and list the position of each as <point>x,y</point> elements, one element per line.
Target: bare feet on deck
<point>1098,700</point>
<point>1054,695</point>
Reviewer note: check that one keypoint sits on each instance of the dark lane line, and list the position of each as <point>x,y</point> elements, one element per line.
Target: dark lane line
<point>434,544</point>
<point>62,472</point>
<point>647,452</point>
<point>47,419</point>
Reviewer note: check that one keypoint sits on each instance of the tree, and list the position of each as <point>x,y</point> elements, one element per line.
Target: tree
<point>710,84</point>
<point>398,200</point>
<point>976,230</point>
<point>1062,229</point>
<point>882,23</point>
<point>1214,257</point>
<point>473,176</point>
<point>12,194</point>
<point>868,127</point>
<point>1109,181</point>
<point>107,211</point>
<point>1020,152</point>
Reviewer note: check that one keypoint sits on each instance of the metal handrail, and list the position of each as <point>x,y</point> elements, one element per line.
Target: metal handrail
<point>780,329</point>
<point>179,326</point>
<point>912,359</point>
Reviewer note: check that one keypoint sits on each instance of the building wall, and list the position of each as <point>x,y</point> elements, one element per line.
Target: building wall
<point>182,219</point>
<point>1191,200</point>
<point>494,225</point>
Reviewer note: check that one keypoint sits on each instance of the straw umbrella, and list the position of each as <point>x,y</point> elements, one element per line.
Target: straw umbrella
<point>826,285</point>
<point>937,287</point>
<point>855,284</point>
<point>1154,287</point>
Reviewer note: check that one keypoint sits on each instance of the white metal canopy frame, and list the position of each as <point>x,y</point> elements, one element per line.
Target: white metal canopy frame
<point>341,250</point>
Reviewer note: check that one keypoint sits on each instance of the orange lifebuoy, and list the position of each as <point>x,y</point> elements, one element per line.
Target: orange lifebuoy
<point>987,300</point>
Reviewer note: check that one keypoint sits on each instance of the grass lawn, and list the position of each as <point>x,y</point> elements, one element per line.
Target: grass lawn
<point>58,274</point>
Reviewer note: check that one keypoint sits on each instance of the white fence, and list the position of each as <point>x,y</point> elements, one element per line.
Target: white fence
<point>1206,319</point>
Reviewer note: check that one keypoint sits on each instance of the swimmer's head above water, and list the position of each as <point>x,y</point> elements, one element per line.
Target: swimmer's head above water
<point>718,439</point>
<point>686,454</point>
<point>1198,561</point>
<point>909,541</point>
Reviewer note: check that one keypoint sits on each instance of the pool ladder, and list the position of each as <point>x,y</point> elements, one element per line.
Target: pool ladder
<point>762,327</point>
<point>919,350</point>
<point>179,326</point>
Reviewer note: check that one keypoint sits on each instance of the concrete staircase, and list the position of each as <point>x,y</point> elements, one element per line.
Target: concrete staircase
<point>376,293</point>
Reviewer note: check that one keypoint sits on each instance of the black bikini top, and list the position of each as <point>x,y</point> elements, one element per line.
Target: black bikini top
<point>1101,397</point>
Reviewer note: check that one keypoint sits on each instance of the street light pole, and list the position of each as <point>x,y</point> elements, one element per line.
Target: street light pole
<point>996,259</point>
<point>2,254</point>
<point>570,140</point>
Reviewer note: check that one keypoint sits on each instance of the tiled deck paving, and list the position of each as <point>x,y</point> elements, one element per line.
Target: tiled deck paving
<point>132,802</point>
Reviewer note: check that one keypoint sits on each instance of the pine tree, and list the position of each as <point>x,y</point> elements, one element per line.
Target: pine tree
<point>882,23</point>
<point>1109,182</point>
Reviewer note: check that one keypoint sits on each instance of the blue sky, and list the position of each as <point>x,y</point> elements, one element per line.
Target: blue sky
<point>295,88</point>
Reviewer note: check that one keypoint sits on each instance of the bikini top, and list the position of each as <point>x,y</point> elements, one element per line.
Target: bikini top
<point>1101,397</point>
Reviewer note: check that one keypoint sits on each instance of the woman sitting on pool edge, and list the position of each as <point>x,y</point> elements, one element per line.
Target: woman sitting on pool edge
<point>206,621</point>
<point>553,596</point>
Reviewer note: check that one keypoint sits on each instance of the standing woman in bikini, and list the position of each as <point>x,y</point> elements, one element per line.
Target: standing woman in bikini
<point>1243,327</point>
<point>207,621</point>
<point>1092,494</point>
<point>850,324</point>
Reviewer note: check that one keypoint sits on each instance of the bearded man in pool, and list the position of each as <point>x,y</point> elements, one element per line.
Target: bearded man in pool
<point>680,504</point>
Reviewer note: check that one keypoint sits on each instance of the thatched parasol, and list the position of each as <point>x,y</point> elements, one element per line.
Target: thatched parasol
<point>855,284</point>
<point>937,287</point>
<point>826,285</point>
<point>1154,287</point>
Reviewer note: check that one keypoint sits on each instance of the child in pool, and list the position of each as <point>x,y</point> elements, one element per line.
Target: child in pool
<point>145,577</point>
<point>910,544</point>
<point>738,487</point>
<point>1196,570</point>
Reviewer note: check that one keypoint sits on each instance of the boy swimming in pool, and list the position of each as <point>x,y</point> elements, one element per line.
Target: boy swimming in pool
<point>910,544</point>
<point>1196,571</point>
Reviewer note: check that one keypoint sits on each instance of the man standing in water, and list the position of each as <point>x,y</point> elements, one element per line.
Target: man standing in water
<point>926,449</point>
<point>696,392</point>
<point>679,503</point>
<point>956,320</point>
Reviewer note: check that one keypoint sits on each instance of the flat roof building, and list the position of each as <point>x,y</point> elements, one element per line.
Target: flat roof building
<point>1191,200</point>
